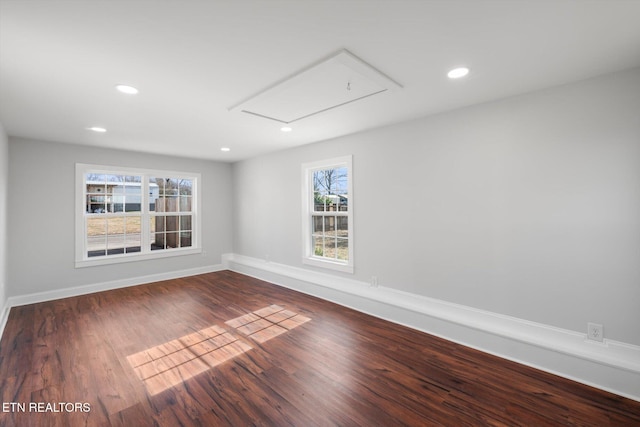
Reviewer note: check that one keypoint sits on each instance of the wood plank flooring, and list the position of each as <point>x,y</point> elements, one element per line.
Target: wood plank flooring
<point>225,349</point>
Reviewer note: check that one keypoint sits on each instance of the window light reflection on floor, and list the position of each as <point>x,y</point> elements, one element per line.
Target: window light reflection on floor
<point>174,362</point>
<point>169,364</point>
<point>266,323</point>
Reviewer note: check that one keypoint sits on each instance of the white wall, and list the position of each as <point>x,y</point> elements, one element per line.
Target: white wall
<point>41,217</point>
<point>527,207</point>
<point>4,189</point>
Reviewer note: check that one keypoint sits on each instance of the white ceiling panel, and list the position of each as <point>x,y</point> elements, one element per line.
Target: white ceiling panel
<point>333,82</point>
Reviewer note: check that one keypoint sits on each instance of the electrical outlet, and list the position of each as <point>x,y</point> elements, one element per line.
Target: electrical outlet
<point>374,281</point>
<point>595,332</point>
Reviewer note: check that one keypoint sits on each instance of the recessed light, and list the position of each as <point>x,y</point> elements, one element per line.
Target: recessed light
<point>97,129</point>
<point>225,149</point>
<point>129,90</point>
<point>456,73</point>
<point>286,129</point>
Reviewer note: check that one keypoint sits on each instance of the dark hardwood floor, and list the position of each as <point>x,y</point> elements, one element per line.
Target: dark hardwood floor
<point>225,349</point>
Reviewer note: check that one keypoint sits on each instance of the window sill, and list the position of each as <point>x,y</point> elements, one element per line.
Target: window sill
<point>118,259</point>
<point>331,265</point>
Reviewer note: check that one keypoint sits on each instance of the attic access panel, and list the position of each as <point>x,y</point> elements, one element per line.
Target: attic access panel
<point>335,81</point>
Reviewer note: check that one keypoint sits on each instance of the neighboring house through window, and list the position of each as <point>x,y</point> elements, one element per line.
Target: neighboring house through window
<point>127,214</point>
<point>328,214</point>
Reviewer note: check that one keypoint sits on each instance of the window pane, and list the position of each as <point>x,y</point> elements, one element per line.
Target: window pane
<point>185,239</point>
<point>96,252</point>
<point>342,226</point>
<point>319,202</point>
<point>133,224</point>
<point>157,241</point>
<point>95,204</point>
<point>167,204</point>
<point>133,233</point>
<point>339,182</point>
<point>343,203</point>
<point>133,242</point>
<point>186,187</point>
<point>319,182</point>
<point>165,231</point>
<point>343,249</point>
<point>330,189</point>
<point>96,236</point>
<point>317,224</point>
<point>329,247</point>
<point>158,223</point>
<point>171,223</point>
<point>318,245</point>
<point>133,194</point>
<point>185,223</point>
<point>156,186</point>
<point>95,178</point>
<point>330,226</point>
<point>171,240</point>
<point>116,201</point>
<point>115,225</point>
<point>171,186</point>
<point>185,203</point>
<point>96,189</point>
<point>320,190</point>
<point>96,226</point>
<point>115,244</point>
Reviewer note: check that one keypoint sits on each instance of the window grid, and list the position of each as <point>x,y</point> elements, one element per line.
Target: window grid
<point>328,213</point>
<point>171,213</point>
<point>121,219</point>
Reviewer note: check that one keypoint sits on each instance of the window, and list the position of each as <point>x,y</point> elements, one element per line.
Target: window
<point>327,214</point>
<point>127,215</point>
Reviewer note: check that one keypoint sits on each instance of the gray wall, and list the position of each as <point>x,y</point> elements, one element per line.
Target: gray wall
<point>41,218</point>
<point>4,189</point>
<point>528,207</point>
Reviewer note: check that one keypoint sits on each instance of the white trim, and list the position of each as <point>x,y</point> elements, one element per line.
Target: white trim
<point>120,258</point>
<point>612,366</point>
<point>328,263</point>
<point>4,316</point>
<point>107,286</point>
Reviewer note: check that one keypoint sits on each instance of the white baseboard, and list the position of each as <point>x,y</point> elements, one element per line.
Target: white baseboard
<point>98,287</point>
<point>4,314</point>
<point>612,366</point>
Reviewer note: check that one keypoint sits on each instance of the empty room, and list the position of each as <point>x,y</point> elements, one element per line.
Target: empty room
<point>319,213</point>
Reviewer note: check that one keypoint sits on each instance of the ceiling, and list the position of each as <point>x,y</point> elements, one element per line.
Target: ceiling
<point>194,60</point>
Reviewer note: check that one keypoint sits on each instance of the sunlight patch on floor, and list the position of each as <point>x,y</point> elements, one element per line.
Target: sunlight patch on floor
<point>174,362</point>
<point>169,364</point>
<point>266,323</point>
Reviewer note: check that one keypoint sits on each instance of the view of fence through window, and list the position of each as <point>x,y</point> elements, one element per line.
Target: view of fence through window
<point>171,222</point>
<point>330,234</point>
<point>115,213</point>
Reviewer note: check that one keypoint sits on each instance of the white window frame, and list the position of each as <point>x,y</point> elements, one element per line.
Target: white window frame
<point>81,257</point>
<point>308,256</point>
